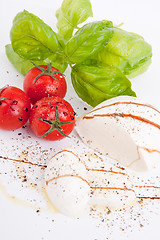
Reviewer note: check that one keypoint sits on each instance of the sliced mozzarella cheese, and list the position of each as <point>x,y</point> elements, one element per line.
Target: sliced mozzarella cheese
<point>126,129</point>
<point>65,183</point>
<point>110,186</point>
<point>72,185</point>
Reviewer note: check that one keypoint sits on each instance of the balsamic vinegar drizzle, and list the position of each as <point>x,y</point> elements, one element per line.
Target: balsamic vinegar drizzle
<point>124,115</point>
<point>88,169</point>
<point>67,175</point>
<point>149,150</point>
<point>152,198</point>
<point>23,161</point>
<point>103,170</point>
<point>132,103</point>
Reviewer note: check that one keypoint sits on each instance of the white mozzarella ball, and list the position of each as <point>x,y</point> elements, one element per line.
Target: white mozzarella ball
<point>66,185</point>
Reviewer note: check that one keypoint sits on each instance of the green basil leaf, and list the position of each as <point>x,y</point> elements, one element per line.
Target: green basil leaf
<point>95,84</point>
<point>23,66</point>
<point>72,13</point>
<point>127,51</point>
<point>88,40</point>
<point>31,38</point>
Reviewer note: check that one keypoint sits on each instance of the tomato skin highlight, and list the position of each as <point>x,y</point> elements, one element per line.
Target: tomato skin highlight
<point>44,86</point>
<point>46,109</point>
<point>14,109</point>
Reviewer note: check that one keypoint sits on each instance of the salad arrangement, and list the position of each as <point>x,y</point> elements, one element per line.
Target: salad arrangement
<point>101,58</point>
<point>100,55</point>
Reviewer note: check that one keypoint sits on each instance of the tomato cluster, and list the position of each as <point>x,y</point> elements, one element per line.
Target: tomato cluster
<point>51,117</point>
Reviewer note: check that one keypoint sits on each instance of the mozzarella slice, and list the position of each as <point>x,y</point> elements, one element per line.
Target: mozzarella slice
<point>110,186</point>
<point>126,129</point>
<point>74,184</point>
<point>65,183</point>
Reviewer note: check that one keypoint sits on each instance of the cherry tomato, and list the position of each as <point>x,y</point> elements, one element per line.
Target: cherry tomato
<point>15,108</point>
<point>44,81</point>
<point>52,118</point>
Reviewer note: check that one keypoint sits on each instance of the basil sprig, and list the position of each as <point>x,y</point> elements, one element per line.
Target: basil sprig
<point>100,55</point>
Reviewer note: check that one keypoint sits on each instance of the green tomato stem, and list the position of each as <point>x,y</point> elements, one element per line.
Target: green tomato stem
<point>47,71</point>
<point>55,125</point>
<point>3,98</point>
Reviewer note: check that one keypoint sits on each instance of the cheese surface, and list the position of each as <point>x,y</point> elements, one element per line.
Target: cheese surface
<point>125,129</point>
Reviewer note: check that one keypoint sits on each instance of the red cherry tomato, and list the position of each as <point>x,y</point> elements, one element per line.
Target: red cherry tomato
<point>15,108</point>
<point>52,118</point>
<point>44,81</point>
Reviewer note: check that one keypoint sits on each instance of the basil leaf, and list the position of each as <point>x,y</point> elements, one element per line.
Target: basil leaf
<point>88,40</point>
<point>31,38</point>
<point>23,65</point>
<point>127,51</point>
<point>95,84</point>
<point>72,13</point>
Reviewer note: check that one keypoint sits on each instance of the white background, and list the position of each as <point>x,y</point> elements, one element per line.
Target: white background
<point>140,16</point>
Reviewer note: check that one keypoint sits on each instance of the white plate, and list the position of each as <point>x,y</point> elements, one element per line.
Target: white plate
<point>19,201</point>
